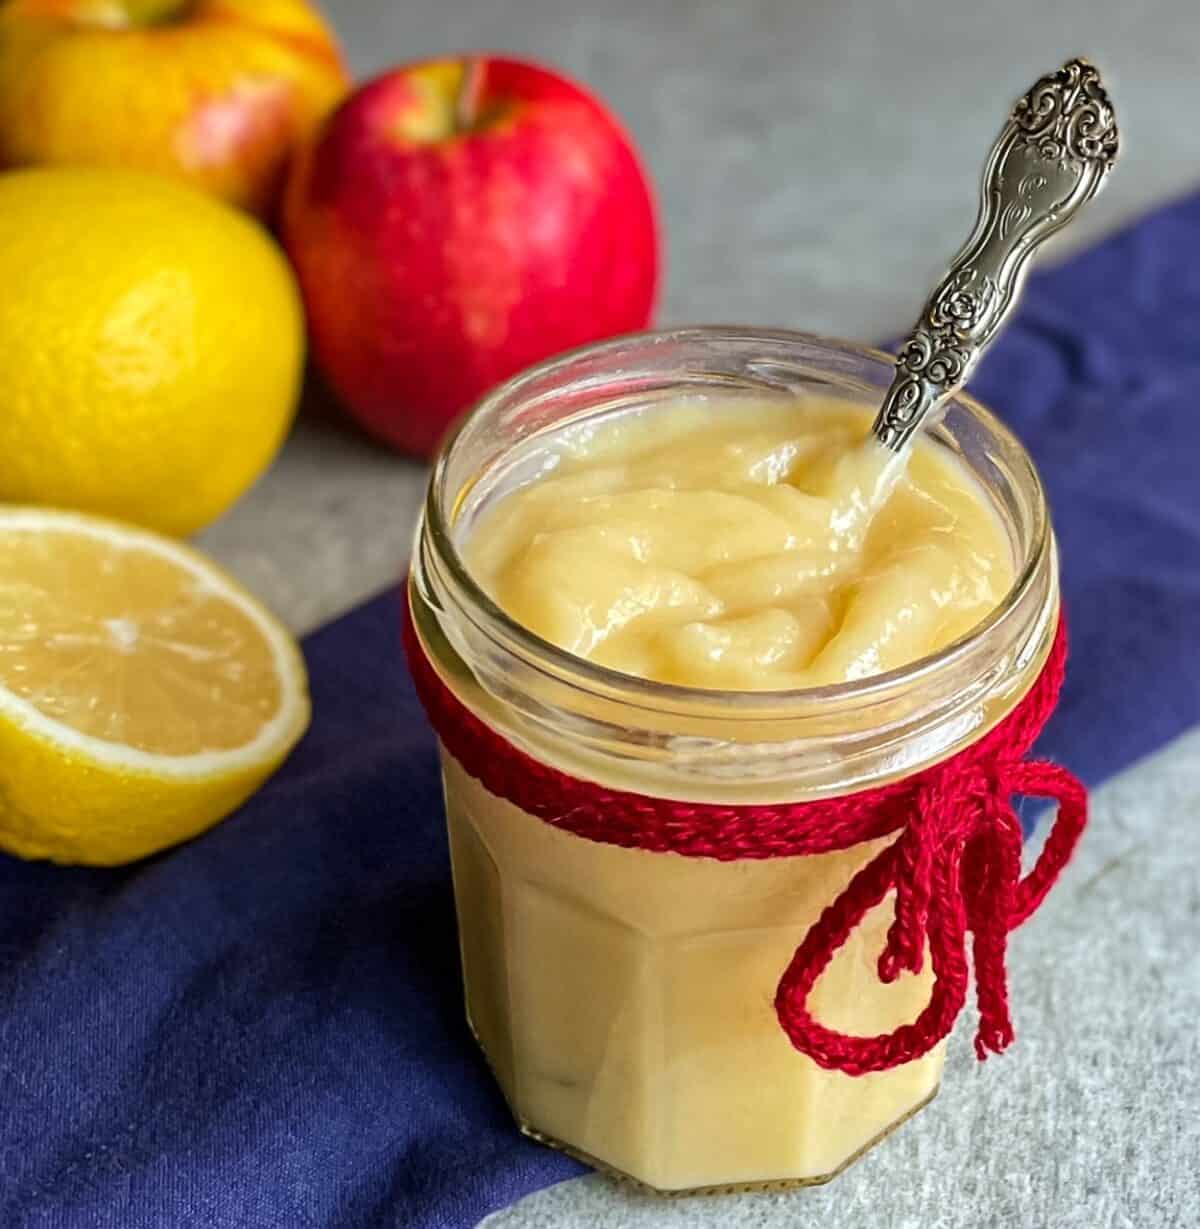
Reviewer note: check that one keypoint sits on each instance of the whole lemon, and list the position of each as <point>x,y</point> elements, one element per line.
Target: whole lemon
<point>151,347</point>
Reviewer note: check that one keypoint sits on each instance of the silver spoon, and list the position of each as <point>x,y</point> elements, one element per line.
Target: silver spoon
<point>1052,156</point>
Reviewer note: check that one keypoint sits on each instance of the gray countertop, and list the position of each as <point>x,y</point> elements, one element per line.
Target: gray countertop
<point>817,163</point>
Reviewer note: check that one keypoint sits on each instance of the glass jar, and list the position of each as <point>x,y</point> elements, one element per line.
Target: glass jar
<point>624,998</point>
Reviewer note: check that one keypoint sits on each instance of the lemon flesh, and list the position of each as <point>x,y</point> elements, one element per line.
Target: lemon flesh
<point>143,693</point>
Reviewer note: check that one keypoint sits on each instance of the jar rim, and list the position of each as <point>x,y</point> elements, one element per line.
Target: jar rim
<point>666,697</point>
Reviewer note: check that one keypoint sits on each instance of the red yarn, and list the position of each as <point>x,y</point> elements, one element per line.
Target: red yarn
<point>955,867</point>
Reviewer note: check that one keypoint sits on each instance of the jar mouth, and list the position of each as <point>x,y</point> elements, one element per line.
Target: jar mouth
<point>492,620</point>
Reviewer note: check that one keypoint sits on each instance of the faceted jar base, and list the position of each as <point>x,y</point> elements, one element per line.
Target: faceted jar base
<point>728,1188</point>
<point>624,1000</point>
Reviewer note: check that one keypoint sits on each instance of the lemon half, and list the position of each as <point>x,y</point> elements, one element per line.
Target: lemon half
<point>144,694</point>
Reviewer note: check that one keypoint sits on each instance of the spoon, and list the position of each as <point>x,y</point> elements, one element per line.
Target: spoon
<point>1052,156</point>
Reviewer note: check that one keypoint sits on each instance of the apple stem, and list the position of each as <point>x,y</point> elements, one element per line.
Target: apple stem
<point>466,104</point>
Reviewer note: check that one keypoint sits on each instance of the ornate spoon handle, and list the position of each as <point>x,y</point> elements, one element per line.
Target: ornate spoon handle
<point>1050,159</point>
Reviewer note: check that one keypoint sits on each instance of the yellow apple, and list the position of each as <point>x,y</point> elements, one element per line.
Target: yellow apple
<point>215,92</point>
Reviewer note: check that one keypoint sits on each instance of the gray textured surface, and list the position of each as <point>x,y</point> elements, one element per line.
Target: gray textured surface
<point>816,162</point>
<point>1091,1121</point>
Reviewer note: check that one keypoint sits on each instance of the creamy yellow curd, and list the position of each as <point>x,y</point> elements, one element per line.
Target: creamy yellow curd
<point>625,998</point>
<point>743,546</point>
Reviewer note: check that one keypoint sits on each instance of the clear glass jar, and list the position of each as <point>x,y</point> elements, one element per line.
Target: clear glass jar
<point>625,998</point>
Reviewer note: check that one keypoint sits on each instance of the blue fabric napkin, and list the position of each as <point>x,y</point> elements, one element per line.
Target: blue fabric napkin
<point>264,1028</point>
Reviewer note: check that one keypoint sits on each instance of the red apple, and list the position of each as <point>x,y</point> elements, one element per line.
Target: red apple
<point>455,221</point>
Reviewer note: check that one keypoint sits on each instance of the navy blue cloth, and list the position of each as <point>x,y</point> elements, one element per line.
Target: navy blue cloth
<point>264,1027</point>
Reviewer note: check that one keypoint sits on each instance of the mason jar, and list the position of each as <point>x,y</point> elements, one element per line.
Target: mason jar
<point>624,998</point>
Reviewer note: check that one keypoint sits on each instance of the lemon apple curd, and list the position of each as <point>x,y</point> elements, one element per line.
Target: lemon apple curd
<point>674,565</point>
<point>736,543</point>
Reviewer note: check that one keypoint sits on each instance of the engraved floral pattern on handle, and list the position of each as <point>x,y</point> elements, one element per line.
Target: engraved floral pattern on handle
<point>1068,116</point>
<point>1051,158</point>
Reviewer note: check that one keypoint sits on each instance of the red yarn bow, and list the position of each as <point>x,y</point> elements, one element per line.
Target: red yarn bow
<point>955,867</point>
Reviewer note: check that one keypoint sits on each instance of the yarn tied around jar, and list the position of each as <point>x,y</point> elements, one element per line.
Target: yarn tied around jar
<point>955,865</point>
